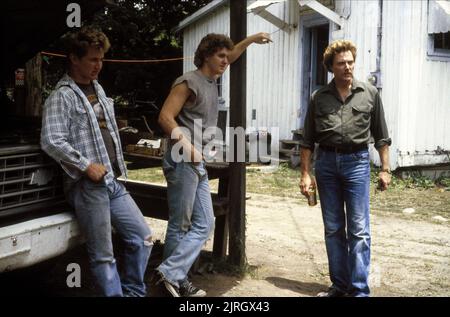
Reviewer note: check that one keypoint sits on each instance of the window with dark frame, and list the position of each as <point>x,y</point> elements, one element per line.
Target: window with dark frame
<point>438,29</point>
<point>442,41</point>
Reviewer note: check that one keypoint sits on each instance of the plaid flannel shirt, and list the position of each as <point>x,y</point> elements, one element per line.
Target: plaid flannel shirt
<point>70,132</point>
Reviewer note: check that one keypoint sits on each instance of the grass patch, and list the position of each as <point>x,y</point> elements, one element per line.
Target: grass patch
<point>283,182</point>
<point>151,175</point>
<point>428,198</point>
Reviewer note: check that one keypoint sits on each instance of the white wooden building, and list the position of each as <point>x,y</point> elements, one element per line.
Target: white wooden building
<point>403,48</point>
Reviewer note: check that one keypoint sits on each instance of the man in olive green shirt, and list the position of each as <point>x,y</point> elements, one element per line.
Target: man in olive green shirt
<point>341,118</point>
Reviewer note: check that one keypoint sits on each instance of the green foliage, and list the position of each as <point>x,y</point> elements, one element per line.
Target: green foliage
<point>137,29</point>
<point>142,29</point>
<point>444,182</point>
<point>414,180</point>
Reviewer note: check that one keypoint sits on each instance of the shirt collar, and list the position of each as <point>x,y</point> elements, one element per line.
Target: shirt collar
<point>331,87</point>
<point>66,80</point>
<point>356,84</point>
<point>208,79</point>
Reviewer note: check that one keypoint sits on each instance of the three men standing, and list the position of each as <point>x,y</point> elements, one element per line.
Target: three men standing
<point>79,131</point>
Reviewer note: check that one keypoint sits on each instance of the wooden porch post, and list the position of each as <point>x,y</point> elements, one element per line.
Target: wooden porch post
<point>238,87</point>
<point>33,82</point>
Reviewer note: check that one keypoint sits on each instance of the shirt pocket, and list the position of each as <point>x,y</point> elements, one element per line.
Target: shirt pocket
<point>81,117</point>
<point>361,115</point>
<point>327,117</point>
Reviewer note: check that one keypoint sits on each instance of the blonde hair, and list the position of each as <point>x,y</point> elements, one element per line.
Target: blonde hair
<point>337,47</point>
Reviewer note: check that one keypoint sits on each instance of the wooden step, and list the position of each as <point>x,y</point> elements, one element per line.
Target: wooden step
<point>278,160</point>
<point>286,151</point>
<point>297,131</point>
<point>290,142</point>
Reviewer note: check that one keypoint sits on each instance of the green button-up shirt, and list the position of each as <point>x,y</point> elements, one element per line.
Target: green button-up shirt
<point>332,122</point>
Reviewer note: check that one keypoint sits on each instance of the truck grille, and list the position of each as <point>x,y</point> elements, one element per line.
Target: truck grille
<point>28,178</point>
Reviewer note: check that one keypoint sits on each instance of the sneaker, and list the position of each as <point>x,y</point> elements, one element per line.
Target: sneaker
<point>169,287</point>
<point>332,292</point>
<point>187,289</point>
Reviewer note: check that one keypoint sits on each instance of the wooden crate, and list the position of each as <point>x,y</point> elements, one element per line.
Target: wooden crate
<point>144,150</point>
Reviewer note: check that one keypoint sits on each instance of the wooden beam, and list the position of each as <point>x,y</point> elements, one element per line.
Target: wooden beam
<point>323,10</point>
<point>238,109</point>
<point>266,15</point>
<point>259,8</point>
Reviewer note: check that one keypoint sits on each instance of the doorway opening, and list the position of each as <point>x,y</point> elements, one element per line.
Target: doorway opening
<point>314,75</point>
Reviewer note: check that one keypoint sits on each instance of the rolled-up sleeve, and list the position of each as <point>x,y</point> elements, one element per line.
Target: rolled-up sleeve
<point>378,126</point>
<point>307,141</point>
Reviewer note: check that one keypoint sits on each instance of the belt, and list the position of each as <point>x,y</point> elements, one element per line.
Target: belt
<point>344,150</point>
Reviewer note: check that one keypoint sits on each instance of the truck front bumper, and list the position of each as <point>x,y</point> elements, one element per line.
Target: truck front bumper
<point>37,240</point>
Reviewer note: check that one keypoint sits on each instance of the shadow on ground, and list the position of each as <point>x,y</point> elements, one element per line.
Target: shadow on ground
<point>308,289</point>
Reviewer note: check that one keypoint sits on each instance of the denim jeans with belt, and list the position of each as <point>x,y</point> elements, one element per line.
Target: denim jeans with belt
<point>98,208</point>
<point>191,217</point>
<point>344,180</point>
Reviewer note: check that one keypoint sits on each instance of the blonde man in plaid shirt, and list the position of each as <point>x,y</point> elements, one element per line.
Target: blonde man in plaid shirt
<point>80,132</point>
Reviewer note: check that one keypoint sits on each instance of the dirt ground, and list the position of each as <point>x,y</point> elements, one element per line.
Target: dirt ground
<point>286,256</point>
<point>286,253</point>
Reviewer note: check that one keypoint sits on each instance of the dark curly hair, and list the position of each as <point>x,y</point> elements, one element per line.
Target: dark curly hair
<point>79,42</point>
<point>209,45</point>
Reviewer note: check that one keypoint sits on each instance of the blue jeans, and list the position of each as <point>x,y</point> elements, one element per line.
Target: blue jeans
<point>191,217</point>
<point>99,207</point>
<point>344,179</point>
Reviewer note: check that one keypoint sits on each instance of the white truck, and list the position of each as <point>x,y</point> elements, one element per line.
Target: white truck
<point>36,224</point>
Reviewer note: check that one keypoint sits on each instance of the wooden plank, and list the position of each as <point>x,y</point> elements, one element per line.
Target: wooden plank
<point>279,23</point>
<point>152,200</point>
<point>290,142</point>
<point>323,10</point>
<point>221,226</point>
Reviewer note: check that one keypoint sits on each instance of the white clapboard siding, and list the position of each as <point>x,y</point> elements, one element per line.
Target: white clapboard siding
<point>272,73</point>
<point>415,89</point>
